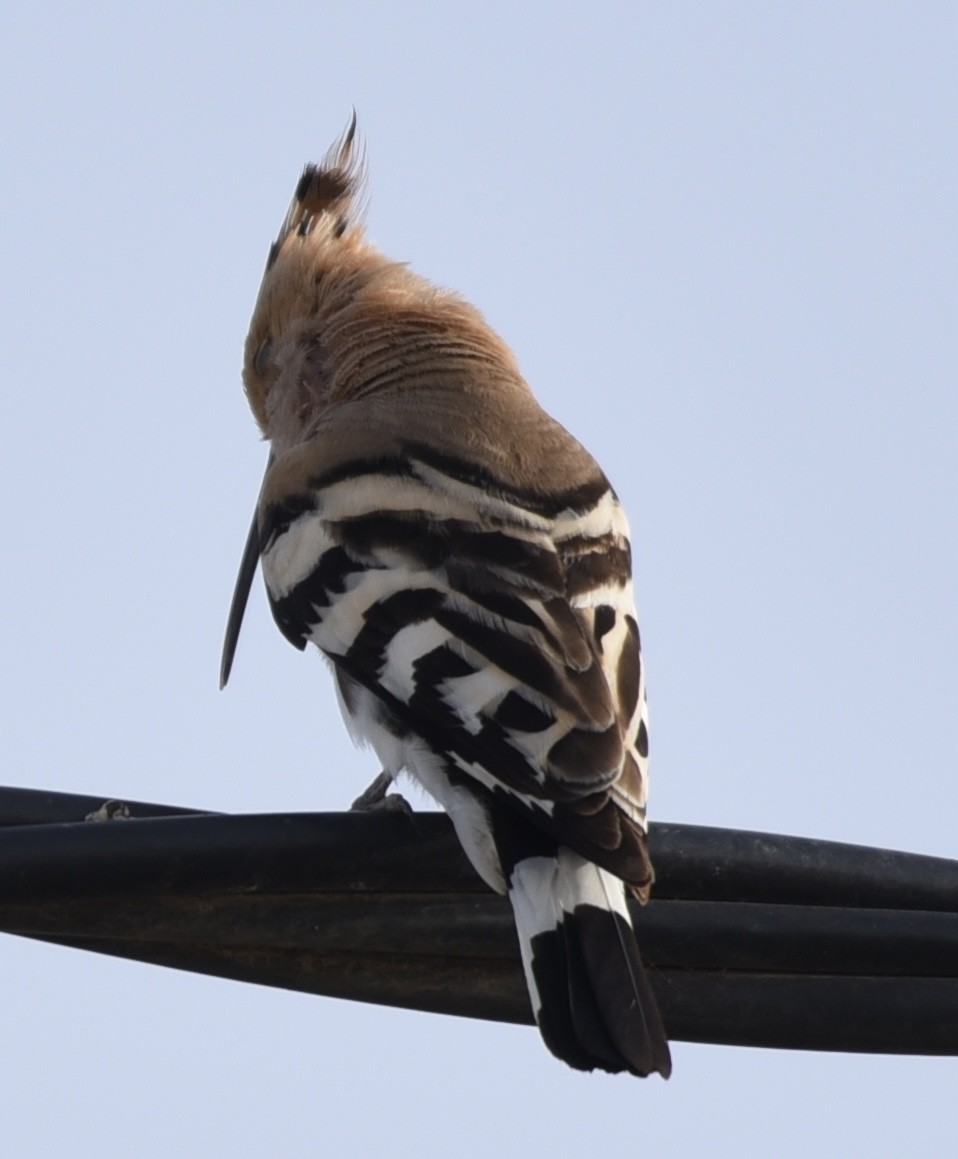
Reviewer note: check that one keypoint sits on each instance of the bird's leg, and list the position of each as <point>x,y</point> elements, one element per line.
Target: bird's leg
<point>377,796</point>
<point>374,796</point>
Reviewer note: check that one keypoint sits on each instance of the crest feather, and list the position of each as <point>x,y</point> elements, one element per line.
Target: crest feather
<point>334,188</point>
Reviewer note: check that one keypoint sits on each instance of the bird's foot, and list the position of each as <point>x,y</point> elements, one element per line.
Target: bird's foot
<point>377,797</point>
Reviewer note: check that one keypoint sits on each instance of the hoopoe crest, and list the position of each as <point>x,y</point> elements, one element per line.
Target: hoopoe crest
<point>464,565</point>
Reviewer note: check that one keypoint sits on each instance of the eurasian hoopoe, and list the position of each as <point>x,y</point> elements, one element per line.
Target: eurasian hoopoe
<point>464,565</point>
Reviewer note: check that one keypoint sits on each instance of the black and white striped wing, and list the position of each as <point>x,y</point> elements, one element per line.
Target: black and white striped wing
<point>497,628</point>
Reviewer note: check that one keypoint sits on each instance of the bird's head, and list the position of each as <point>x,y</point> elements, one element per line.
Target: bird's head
<point>318,257</point>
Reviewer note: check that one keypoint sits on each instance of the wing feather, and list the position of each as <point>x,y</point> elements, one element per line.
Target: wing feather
<point>502,635</point>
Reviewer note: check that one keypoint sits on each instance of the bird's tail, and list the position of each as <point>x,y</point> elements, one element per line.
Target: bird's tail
<point>590,994</point>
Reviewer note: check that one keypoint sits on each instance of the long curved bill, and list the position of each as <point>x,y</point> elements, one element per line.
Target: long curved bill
<point>244,581</point>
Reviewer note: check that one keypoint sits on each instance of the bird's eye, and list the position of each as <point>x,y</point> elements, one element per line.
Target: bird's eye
<point>261,359</point>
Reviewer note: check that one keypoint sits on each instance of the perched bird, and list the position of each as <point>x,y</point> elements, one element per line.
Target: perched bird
<point>464,565</point>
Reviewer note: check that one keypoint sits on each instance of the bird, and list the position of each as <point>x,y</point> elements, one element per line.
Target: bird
<point>464,565</point>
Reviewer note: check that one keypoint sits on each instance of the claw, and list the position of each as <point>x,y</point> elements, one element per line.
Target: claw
<point>377,797</point>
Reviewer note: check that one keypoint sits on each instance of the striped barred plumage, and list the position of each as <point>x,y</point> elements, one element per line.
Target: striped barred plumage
<point>464,565</point>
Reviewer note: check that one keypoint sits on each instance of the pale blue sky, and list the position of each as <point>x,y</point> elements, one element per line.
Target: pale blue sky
<point>722,240</point>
